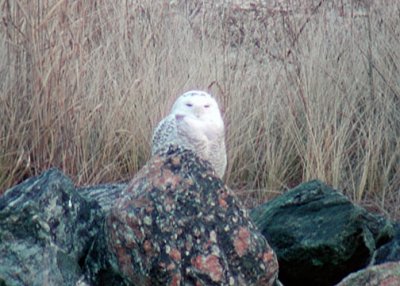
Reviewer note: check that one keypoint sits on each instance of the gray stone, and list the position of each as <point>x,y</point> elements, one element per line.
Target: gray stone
<point>46,229</point>
<point>390,251</point>
<point>387,274</point>
<point>177,224</point>
<point>105,195</point>
<point>319,235</point>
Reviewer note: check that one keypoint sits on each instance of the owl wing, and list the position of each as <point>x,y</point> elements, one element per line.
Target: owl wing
<point>163,134</point>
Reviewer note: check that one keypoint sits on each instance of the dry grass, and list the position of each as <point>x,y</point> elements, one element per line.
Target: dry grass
<point>310,89</point>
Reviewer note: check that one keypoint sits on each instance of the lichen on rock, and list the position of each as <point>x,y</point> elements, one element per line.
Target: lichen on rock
<point>178,224</point>
<point>319,235</point>
<point>46,228</point>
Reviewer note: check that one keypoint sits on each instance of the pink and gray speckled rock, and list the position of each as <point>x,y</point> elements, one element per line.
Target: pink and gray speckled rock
<point>387,274</point>
<point>177,224</point>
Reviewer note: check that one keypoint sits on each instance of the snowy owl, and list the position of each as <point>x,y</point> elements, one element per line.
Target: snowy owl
<point>195,123</point>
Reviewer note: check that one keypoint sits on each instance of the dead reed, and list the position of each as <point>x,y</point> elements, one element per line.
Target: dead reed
<point>309,89</point>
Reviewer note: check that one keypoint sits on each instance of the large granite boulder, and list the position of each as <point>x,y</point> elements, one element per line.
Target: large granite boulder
<point>319,235</point>
<point>387,274</point>
<point>46,229</point>
<point>177,224</point>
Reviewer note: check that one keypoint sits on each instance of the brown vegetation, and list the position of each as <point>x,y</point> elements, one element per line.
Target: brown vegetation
<point>309,89</point>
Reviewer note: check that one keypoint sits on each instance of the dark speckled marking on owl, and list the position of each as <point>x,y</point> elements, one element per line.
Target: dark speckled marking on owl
<point>177,224</point>
<point>167,128</point>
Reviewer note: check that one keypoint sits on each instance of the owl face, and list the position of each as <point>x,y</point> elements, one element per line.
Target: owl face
<point>198,104</point>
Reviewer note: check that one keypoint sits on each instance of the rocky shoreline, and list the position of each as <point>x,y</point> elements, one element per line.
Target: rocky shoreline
<point>176,223</point>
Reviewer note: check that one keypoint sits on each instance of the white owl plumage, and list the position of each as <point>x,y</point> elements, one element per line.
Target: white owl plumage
<point>194,123</point>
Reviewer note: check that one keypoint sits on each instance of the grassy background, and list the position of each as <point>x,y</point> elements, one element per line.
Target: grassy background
<point>309,89</point>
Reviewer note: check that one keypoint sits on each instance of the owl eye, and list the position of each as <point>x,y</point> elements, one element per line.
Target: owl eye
<point>189,104</point>
<point>206,106</point>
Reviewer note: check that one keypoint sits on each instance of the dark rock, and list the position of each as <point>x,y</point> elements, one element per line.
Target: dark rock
<point>319,235</point>
<point>177,224</point>
<point>387,274</point>
<point>105,195</point>
<point>46,228</point>
<point>390,251</point>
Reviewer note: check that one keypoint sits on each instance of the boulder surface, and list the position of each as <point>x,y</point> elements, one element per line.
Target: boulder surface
<point>46,229</point>
<point>390,251</point>
<point>387,274</point>
<point>319,235</point>
<point>105,194</point>
<point>178,224</point>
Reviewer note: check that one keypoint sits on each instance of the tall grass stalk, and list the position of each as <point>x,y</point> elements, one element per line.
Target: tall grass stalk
<point>309,89</point>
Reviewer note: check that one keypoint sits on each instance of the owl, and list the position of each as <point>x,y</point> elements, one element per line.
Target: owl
<point>194,123</point>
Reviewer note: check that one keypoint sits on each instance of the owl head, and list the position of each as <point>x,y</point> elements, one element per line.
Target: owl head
<point>197,104</point>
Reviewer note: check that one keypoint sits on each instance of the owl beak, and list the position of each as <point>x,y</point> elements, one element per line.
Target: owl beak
<point>179,117</point>
<point>198,110</point>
